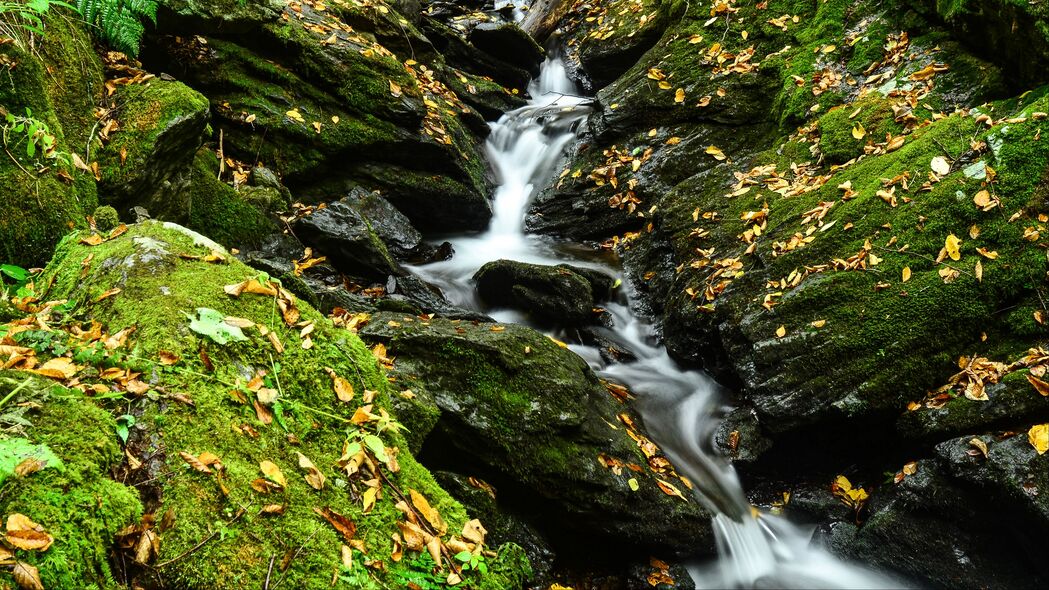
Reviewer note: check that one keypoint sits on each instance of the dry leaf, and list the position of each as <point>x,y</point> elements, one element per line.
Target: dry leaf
<point>27,577</point>
<point>343,388</point>
<point>427,511</point>
<point>194,462</point>
<point>346,527</point>
<point>717,153</point>
<point>1038,436</point>
<point>23,533</point>
<point>270,470</point>
<point>940,166</point>
<point>858,131</point>
<point>979,445</point>
<point>1040,386</point>
<point>314,477</point>
<point>952,245</point>
<point>781,331</point>
<point>906,274</point>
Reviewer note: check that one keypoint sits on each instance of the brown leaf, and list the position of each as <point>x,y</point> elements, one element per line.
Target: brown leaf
<point>346,527</point>
<point>167,358</point>
<point>314,477</point>
<point>343,388</point>
<point>474,532</point>
<point>194,462</point>
<point>1040,386</point>
<point>29,466</point>
<point>108,293</point>
<point>270,470</point>
<point>27,577</point>
<point>250,286</point>
<point>57,368</point>
<point>23,533</point>
<point>275,509</point>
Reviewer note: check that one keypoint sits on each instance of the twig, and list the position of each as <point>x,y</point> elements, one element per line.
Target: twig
<point>269,572</point>
<point>296,554</point>
<point>200,544</point>
<point>21,386</point>
<point>923,257</point>
<point>222,156</point>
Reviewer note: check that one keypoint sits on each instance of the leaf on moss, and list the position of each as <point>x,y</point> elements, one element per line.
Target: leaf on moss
<point>270,470</point>
<point>211,323</point>
<point>1040,386</point>
<point>346,527</point>
<point>25,534</point>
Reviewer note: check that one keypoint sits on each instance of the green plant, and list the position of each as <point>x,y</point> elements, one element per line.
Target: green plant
<point>40,143</point>
<point>472,561</point>
<point>24,16</point>
<point>120,22</point>
<point>13,280</point>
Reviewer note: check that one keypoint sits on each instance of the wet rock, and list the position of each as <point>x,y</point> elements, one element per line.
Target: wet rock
<point>394,229</point>
<point>509,43</point>
<point>942,535</point>
<point>503,526</point>
<point>465,56</point>
<point>532,418</point>
<point>554,294</point>
<point>343,234</point>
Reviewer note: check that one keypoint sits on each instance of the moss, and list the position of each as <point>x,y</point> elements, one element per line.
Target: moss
<point>106,218</point>
<point>837,142</point>
<point>216,210</point>
<point>158,287</point>
<point>38,206</point>
<point>75,500</point>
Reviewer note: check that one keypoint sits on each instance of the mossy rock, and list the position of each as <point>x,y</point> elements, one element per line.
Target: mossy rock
<point>162,124</point>
<point>73,496</point>
<point>531,418</point>
<point>44,198</point>
<point>218,210</point>
<point>163,286</point>
<point>870,118</point>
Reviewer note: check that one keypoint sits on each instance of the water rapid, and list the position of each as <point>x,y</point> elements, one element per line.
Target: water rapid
<point>680,407</point>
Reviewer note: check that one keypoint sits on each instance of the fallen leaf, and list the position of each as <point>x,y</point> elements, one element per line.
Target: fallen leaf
<point>474,532</point>
<point>194,462</point>
<point>346,527</point>
<point>343,388</point>
<point>858,131</point>
<point>1040,386</point>
<point>940,166</point>
<point>26,576</point>
<point>23,533</point>
<point>906,274</point>
<point>432,516</point>
<point>270,470</point>
<point>952,244</point>
<point>979,445</point>
<point>314,477</point>
<point>717,153</point>
<point>1038,436</point>
<point>167,358</point>
<point>57,368</point>
<point>109,293</point>
<point>679,95</point>
<point>781,331</point>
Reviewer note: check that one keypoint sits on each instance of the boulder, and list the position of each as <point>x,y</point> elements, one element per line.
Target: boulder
<point>276,442</point>
<point>394,229</point>
<point>508,42</point>
<point>552,294</point>
<point>162,124</point>
<point>528,416</point>
<point>342,233</point>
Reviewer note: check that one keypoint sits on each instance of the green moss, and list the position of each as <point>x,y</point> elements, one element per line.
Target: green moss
<point>158,287</point>
<point>38,206</point>
<point>837,142</point>
<point>106,218</point>
<point>75,500</point>
<point>217,211</point>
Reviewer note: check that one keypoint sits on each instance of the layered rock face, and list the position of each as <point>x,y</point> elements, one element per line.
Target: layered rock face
<point>838,209</point>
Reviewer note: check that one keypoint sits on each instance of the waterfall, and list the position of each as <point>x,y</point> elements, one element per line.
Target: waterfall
<point>679,407</point>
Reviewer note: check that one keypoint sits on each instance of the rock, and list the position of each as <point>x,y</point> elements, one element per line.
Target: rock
<point>553,294</point>
<point>58,87</point>
<point>532,418</point>
<point>216,209</point>
<point>328,115</point>
<point>507,42</point>
<point>164,283</point>
<point>465,56</point>
<point>162,124</point>
<point>937,533</point>
<point>394,229</point>
<point>343,234</point>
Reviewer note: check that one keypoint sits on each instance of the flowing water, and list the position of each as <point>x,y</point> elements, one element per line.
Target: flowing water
<point>680,408</point>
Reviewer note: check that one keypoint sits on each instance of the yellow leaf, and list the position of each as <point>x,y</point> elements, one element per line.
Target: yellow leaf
<point>1038,436</point>
<point>781,331</point>
<point>679,95</point>
<point>343,388</point>
<point>952,244</point>
<point>427,511</point>
<point>906,273</point>
<point>295,115</point>
<point>273,472</point>
<point>23,533</point>
<point>978,271</point>
<point>632,482</point>
<point>395,88</point>
<point>858,131</point>
<point>314,477</point>
<point>717,153</point>
<point>818,323</point>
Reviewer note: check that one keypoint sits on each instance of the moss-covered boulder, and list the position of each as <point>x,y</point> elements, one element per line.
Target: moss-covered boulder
<point>71,493</point>
<point>244,435</point>
<point>218,210</point>
<point>328,113</point>
<point>522,412</point>
<point>49,94</point>
<point>558,295</point>
<point>162,124</point>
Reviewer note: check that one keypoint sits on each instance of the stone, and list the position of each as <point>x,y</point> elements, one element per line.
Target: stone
<point>550,294</point>
<point>507,42</point>
<point>342,233</point>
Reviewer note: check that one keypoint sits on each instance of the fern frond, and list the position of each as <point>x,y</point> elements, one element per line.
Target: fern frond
<point>119,22</point>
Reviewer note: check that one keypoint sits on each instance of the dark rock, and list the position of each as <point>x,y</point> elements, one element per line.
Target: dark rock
<point>264,177</point>
<point>943,535</point>
<point>509,43</point>
<point>532,418</point>
<point>394,229</point>
<point>555,294</point>
<point>465,56</point>
<point>503,526</point>
<point>346,237</point>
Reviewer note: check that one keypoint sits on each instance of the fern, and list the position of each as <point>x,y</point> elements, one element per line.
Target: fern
<point>120,22</point>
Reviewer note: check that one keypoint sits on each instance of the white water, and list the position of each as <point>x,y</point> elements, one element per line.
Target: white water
<point>680,408</point>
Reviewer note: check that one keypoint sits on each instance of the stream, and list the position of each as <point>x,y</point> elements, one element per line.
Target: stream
<point>680,407</point>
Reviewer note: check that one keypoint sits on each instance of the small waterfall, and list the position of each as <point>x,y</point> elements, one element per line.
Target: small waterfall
<point>680,408</point>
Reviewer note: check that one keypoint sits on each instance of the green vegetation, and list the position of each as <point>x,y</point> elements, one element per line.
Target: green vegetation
<point>120,23</point>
